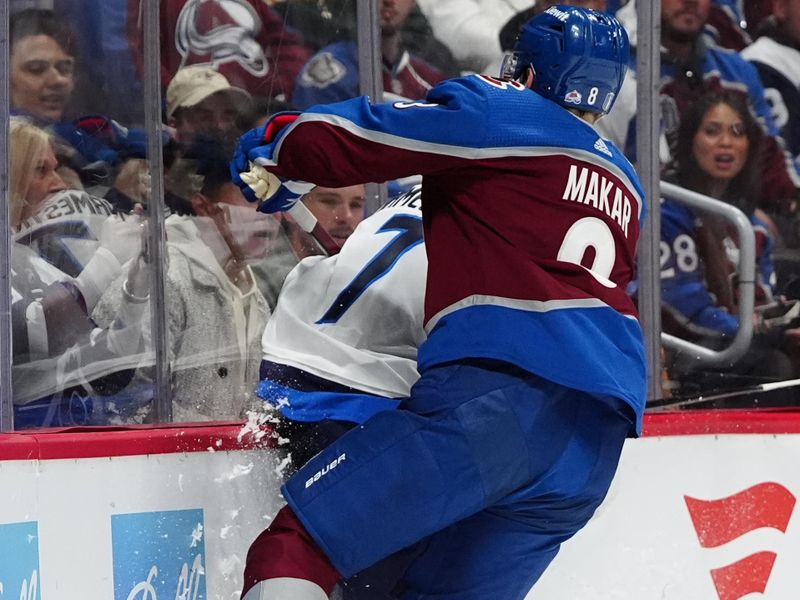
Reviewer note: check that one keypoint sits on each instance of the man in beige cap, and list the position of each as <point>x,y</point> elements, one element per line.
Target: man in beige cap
<point>201,102</point>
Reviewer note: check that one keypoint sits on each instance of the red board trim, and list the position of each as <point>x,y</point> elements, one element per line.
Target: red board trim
<point>711,422</point>
<point>85,442</point>
<point>70,443</point>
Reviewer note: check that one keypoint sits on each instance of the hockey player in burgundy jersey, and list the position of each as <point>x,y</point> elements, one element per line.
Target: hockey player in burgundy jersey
<point>533,372</point>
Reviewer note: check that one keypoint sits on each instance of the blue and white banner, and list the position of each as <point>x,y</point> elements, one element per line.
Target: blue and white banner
<point>159,555</point>
<point>19,561</point>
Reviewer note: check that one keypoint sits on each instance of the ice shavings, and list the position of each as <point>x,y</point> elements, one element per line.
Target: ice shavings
<point>282,466</point>
<point>238,471</point>
<point>258,424</point>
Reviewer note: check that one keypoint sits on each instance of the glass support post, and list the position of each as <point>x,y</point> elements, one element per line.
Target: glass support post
<point>162,408</point>
<point>648,118</point>
<point>370,70</point>
<point>6,356</point>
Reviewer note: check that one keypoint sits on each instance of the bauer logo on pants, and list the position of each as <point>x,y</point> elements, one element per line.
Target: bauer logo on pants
<point>19,561</point>
<point>159,555</point>
<point>324,471</point>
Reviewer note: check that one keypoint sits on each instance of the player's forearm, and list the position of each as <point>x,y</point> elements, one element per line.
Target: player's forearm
<point>336,156</point>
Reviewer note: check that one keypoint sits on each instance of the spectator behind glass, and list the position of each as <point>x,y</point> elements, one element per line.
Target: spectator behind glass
<point>338,210</point>
<point>332,73</point>
<point>776,55</point>
<point>202,104</point>
<point>42,80</point>
<point>107,83</point>
<point>29,187</point>
<point>64,366</point>
<point>691,65</point>
<point>718,150</point>
<point>42,65</point>
<point>215,312</point>
<point>327,21</point>
<point>726,25</point>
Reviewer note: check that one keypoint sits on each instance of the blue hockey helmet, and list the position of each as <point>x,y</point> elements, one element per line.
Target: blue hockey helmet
<point>579,57</point>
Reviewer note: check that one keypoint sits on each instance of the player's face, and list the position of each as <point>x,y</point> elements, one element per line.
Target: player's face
<point>45,181</point>
<point>683,20</point>
<point>41,77</point>
<point>721,145</point>
<point>338,210</point>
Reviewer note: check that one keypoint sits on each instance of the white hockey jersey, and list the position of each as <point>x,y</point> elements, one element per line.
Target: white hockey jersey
<point>355,319</point>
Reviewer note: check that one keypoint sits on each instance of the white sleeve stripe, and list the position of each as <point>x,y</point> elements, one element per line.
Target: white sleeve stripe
<point>513,303</point>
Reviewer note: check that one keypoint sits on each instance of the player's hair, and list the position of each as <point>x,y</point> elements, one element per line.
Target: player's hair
<point>743,190</point>
<point>39,21</point>
<point>579,57</point>
<point>28,145</point>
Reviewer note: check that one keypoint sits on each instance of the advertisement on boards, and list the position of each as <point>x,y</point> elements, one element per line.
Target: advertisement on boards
<point>19,566</point>
<point>688,517</point>
<point>159,555</point>
<point>710,517</point>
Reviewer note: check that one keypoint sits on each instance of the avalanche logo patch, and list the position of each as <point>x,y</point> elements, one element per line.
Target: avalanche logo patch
<point>573,97</point>
<point>19,561</point>
<point>159,555</point>
<point>323,70</point>
<point>723,520</point>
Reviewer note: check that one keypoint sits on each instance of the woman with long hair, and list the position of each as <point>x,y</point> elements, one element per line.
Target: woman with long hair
<point>718,154</point>
<point>33,169</point>
<point>61,357</point>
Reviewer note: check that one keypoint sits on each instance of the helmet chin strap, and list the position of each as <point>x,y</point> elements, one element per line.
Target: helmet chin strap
<point>528,77</point>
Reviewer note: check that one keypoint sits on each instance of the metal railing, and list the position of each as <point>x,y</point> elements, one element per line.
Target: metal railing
<point>747,270</point>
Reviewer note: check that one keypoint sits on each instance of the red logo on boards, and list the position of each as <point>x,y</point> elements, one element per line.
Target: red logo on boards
<point>720,521</point>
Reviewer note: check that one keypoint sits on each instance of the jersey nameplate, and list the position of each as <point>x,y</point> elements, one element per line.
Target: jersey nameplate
<point>587,186</point>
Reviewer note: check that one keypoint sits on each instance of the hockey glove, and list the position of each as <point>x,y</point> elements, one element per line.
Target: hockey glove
<point>273,193</point>
<point>257,143</point>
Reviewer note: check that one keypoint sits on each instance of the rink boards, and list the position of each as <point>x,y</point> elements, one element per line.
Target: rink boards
<point>703,507</point>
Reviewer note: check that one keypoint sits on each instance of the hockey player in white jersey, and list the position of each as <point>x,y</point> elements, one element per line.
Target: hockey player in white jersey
<point>342,342</point>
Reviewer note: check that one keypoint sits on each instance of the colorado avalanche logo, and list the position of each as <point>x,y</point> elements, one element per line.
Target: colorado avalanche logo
<point>573,97</point>
<point>220,31</point>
